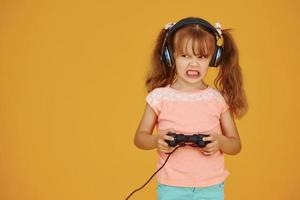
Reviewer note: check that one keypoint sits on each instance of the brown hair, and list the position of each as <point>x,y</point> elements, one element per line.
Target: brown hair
<point>229,80</point>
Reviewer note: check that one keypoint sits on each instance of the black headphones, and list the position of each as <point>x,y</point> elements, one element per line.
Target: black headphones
<point>167,54</point>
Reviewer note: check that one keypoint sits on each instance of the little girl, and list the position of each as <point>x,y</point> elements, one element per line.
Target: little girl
<point>180,101</point>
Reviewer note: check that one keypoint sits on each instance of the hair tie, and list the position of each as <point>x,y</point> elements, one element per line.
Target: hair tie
<point>169,25</point>
<point>218,27</point>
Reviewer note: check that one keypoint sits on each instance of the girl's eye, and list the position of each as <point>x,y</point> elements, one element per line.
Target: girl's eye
<point>184,55</point>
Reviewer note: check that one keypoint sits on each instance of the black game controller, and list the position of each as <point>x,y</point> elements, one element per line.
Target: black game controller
<point>181,139</point>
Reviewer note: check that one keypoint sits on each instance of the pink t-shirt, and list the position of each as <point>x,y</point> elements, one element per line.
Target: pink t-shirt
<point>189,113</point>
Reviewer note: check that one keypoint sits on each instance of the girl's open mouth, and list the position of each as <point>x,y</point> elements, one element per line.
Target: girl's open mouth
<point>193,73</point>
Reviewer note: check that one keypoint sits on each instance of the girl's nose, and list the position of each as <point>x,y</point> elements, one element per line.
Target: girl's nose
<point>194,63</point>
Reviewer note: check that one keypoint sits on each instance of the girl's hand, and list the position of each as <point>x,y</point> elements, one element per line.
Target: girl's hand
<point>215,144</point>
<point>161,144</point>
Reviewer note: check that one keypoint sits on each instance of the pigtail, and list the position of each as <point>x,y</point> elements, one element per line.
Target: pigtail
<point>229,80</point>
<point>159,75</point>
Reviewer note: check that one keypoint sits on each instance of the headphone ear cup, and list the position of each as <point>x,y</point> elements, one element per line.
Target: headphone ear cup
<point>167,57</point>
<point>216,58</point>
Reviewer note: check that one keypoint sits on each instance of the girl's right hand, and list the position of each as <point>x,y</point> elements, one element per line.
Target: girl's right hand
<point>161,144</point>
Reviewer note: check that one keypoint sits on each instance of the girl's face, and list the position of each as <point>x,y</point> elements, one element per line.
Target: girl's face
<point>191,67</point>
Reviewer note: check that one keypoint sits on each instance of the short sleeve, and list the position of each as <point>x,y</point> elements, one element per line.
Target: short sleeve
<point>154,99</point>
<point>221,103</point>
<point>224,106</point>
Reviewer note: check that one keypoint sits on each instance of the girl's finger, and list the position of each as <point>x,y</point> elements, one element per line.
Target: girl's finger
<point>205,153</point>
<point>210,145</point>
<point>166,137</point>
<point>208,150</point>
<point>209,138</point>
<point>164,150</point>
<point>163,143</point>
<point>211,152</point>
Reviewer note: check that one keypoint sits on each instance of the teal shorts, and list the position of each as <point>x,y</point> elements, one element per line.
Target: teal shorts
<point>214,192</point>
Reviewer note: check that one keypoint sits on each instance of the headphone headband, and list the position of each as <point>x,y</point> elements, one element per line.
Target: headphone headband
<point>190,21</point>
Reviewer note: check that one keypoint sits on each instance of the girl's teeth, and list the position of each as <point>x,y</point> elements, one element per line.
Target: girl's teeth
<point>192,73</point>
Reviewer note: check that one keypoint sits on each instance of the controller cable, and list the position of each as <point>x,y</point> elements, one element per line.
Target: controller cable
<point>181,145</point>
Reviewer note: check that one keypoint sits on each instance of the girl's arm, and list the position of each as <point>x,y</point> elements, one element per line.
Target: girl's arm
<point>231,143</point>
<point>143,138</point>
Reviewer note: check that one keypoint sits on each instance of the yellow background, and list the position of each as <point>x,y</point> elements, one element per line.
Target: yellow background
<point>72,94</point>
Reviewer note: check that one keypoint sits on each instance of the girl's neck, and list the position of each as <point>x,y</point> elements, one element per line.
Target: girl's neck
<point>188,87</point>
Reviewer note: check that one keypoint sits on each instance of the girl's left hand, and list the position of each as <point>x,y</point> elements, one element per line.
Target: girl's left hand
<point>215,144</point>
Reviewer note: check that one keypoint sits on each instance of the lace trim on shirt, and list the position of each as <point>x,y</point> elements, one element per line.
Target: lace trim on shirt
<point>168,95</point>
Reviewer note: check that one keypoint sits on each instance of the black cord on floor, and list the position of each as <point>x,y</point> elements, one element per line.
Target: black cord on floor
<point>154,173</point>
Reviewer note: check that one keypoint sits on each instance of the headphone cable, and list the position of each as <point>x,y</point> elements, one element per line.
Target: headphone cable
<point>154,173</point>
